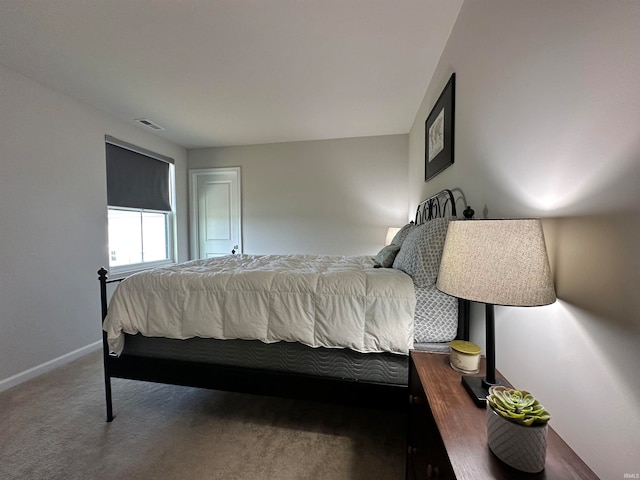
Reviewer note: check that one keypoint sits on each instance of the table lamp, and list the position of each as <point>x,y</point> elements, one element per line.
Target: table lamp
<point>495,262</point>
<point>391,232</point>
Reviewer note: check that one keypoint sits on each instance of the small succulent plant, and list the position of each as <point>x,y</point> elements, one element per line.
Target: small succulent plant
<point>518,406</point>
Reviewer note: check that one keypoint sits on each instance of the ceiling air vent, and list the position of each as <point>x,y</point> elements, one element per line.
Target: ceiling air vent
<point>149,124</point>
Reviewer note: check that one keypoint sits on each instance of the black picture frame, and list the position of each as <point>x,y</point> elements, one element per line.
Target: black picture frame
<point>439,132</point>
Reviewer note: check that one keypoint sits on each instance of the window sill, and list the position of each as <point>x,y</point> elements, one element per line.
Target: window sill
<point>127,270</point>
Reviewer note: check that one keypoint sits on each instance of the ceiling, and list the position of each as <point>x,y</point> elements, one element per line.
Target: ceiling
<point>235,72</point>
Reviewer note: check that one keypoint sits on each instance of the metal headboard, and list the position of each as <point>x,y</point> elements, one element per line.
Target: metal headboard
<point>435,206</point>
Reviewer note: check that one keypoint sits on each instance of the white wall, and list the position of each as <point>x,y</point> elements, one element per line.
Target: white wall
<point>548,125</point>
<point>53,222</point>
<point>320,197</point>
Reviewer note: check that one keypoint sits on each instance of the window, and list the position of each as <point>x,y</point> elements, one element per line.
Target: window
<point>138,236</point>
<point>140,212</point>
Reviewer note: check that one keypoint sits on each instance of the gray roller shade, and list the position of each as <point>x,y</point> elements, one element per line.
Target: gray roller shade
<point>135,180</point>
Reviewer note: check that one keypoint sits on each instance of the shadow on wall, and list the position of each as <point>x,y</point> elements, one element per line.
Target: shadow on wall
<point>596,263</point>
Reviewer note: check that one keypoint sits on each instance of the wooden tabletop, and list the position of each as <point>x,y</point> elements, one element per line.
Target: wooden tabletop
<point>463,428</point>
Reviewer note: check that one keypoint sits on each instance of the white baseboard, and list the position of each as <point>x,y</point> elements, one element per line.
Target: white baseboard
<point>21,377</point>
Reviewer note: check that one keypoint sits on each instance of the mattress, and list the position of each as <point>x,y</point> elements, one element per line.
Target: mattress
<point>282,357</point>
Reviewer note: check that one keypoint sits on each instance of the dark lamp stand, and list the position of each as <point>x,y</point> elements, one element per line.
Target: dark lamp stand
<point>478,387</point>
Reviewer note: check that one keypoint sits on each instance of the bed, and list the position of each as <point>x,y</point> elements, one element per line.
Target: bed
<point>327,328</point>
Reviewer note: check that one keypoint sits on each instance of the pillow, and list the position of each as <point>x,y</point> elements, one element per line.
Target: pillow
<point>400,237</point>
<point>436,316</point>
<point>386,256</point>
<point>421,252</point>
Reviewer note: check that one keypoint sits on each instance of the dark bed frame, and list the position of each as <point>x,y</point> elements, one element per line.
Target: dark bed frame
<point>267,382</point>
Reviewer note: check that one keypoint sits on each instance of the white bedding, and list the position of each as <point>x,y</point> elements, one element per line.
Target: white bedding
<point>317,300</point>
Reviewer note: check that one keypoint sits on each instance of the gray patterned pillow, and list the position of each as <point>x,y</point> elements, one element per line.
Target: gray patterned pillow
<point>400,237</point>
<point>421,252</point>
<point>436,316</point>
<point>387,255</point>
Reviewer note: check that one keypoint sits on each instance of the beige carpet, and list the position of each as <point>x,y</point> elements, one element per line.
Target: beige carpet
<point>53,427</point>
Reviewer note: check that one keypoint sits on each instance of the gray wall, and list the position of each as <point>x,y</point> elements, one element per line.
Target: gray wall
<point>548,125</point>
<point>53,217</point>
<point>321,197</point>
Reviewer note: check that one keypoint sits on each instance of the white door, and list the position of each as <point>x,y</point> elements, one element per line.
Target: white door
<point>216,223</point>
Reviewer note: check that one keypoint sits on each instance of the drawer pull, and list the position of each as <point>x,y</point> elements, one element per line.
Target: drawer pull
<point>432,472</point>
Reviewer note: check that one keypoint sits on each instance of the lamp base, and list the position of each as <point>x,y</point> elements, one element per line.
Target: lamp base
<point>478,389</point>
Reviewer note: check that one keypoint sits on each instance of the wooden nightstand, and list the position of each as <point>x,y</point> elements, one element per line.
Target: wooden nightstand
<point>447,436</point>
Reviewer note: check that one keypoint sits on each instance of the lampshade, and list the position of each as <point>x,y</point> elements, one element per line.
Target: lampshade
<point>391,232</point>
<point>500,262</point>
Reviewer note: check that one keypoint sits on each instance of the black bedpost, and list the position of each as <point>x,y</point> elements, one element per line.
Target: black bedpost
<point>102,276</point>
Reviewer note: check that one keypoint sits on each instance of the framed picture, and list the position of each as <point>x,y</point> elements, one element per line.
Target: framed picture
<point>439,126</point>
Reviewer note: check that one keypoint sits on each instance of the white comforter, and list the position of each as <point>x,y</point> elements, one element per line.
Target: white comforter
<point>328,301</point>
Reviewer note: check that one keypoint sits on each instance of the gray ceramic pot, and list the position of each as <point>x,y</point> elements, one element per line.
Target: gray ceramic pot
<point>524,448</point>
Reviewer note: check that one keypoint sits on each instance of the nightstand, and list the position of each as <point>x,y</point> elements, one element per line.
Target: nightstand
<point>447,435</point>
